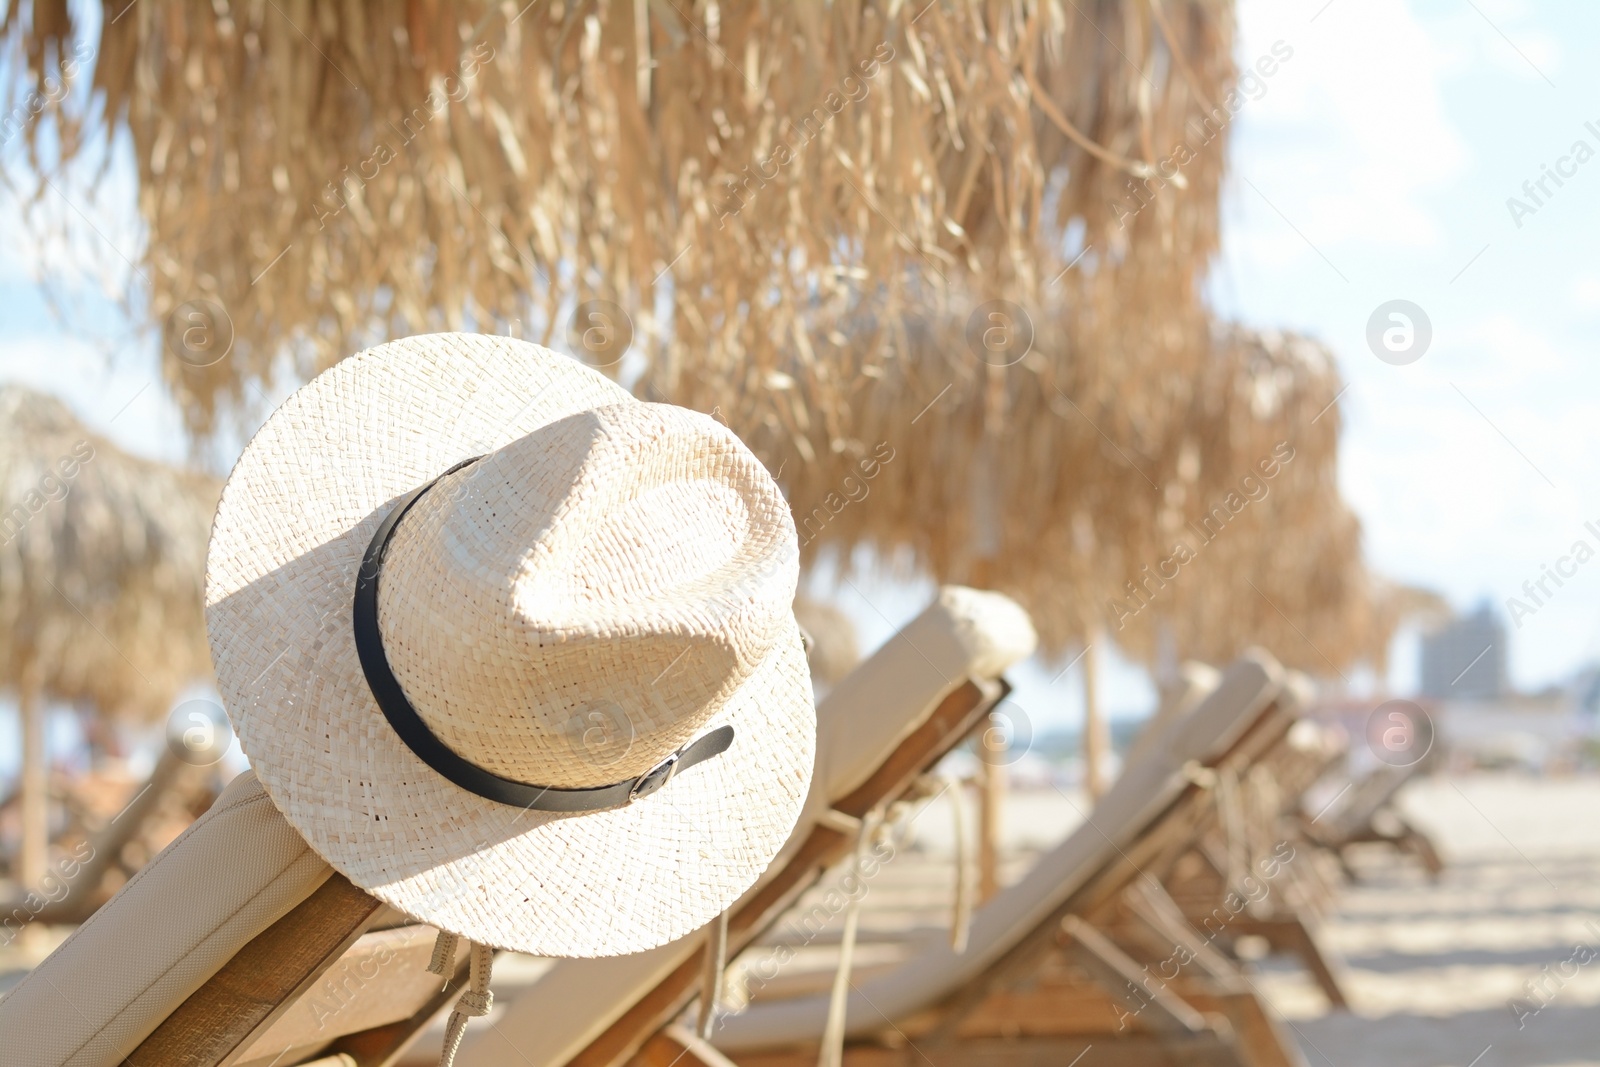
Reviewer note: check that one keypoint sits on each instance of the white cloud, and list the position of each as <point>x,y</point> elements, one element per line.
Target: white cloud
<point>1496,33</point>
<point>1390,142</point>
<point>1356,124</point>
<point>1586,291</point>
<point>121,398</point>
<point>82,230</point>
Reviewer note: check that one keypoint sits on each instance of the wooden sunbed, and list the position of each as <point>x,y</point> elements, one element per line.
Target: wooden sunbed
<point>1254,816</point>
<point>1056,964</point>
<point>1367,814</point>
<point>239,946</point>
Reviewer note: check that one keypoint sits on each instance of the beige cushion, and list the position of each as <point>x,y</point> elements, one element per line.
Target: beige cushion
<point>964,634</point>
<point>1195,680</point>
<point>232,874</point>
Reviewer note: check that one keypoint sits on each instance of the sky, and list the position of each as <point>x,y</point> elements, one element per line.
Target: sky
<point>1377,166</point>
<point>1373,165</point>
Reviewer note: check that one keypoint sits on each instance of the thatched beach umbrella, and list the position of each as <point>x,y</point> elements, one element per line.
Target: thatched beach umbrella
<point>796,216</point>
<point>102,556</point>
<point>1257,545</point>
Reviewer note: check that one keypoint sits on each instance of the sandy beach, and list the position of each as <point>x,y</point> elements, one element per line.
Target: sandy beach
<point>1432,969</point>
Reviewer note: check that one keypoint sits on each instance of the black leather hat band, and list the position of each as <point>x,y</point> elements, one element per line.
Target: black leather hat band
<point>410,728</point>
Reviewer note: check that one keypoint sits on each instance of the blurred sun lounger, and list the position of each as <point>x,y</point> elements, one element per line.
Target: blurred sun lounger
<point>239,945</point>
<point>1367,813</point>
<point>1088,948</point>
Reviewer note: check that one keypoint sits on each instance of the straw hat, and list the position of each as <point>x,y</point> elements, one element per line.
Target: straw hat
<point>566,708</point>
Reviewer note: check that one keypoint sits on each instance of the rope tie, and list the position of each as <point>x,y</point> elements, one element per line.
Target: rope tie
<point>443,961</point>
<point>966,866</point>
<point>475,1001</point>
<point>711,977</point>
<point>1204,777</point>
<point>1263,808</point>
<point>1225,787</point>
<point>831,1052</point>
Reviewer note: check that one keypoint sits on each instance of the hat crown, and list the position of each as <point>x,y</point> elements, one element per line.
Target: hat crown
<point>573,607</point>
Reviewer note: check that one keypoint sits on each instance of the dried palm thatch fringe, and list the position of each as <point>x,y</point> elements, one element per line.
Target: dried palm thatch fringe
<point>799,209</point>
<point>1252,557</point>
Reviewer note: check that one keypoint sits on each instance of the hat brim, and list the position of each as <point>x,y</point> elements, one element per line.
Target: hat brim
<point>295,517</point>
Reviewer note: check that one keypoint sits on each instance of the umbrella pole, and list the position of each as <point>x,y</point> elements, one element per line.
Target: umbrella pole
<point>1094,723</point>
<point>991,797</point>
<point>35,815</point>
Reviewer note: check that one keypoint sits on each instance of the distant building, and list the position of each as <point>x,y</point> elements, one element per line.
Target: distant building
<point>1466,660</point>
<point>1585,689</point>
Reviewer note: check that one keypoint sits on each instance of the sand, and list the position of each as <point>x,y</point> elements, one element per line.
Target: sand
<point>1432,969</point>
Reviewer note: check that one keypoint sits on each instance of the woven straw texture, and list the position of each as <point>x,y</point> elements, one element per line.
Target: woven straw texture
<point>614,579</point>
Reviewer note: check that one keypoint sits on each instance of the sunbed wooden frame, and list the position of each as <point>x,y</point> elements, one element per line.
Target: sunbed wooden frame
<point>1360,820</point>
<point>1288,917</point>
<point>957,717</point>
<point>1126,916</point>
<point>250,1001</point>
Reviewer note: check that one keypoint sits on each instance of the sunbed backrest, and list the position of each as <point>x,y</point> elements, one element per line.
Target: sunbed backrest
<point>234,872</point>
